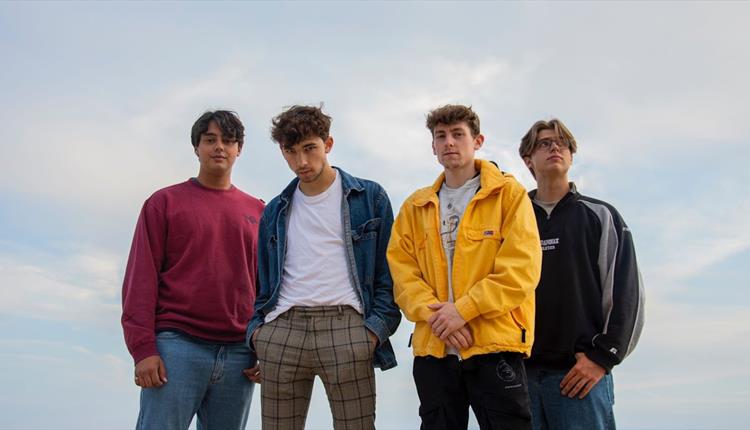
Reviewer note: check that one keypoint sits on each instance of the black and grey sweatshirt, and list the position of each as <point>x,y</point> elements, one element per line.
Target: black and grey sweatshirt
<point>590,296</point>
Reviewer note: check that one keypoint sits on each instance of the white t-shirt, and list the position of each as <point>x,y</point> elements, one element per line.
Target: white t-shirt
<point>316,269</point>
<point>453,202</point>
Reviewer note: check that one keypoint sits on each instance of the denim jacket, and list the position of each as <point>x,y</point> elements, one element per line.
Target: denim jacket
<point>367,217</point>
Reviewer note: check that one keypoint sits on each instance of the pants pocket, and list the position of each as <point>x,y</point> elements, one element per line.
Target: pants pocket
<point>259,344</point>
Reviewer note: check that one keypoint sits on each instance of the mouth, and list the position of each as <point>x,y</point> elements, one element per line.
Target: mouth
<point>449,153</point>
<point>218,157</point>
<point>554,157</point>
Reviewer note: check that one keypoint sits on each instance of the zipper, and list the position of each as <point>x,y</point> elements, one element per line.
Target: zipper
<point>521,327</point>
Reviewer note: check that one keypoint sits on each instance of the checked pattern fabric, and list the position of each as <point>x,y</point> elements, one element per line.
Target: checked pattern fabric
<point>330,342</point>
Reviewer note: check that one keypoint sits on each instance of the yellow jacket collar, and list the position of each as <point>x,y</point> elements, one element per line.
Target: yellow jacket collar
<point>490,180</point>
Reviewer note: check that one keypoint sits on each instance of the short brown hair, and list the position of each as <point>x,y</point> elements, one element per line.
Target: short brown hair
<point>529,143</point>
<point>452,114</point>
<point>299,122</point>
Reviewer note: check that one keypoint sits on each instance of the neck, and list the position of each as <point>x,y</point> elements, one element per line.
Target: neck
<point>454,178</point>
<point>320,184</point>
<point>552,189</point>
<point>221,181</point>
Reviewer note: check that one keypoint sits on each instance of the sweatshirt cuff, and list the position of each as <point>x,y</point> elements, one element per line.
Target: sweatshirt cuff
<point>467,308</point>
<point>144,350</point>
<point>602,358</point>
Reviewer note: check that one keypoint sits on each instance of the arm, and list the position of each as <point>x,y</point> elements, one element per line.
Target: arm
<point>621,280</point>
<point>140,296</point>
<point>516,267</point>
<point>411,292</point>
<point>262,283</point>
<point>385,316</point>
<point>141,283</point>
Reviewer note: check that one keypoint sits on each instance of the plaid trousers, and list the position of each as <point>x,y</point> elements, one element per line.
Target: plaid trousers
<point>328,341</point>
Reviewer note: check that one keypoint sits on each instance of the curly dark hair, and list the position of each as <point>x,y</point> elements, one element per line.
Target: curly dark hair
<point>452,114</point>
<point>228,121</point>
<point>299,122</point>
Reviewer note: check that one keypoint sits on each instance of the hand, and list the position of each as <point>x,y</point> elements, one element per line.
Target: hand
<point>445,320</point>
<point>150,372</point>
<point>582,377</point>
<point>460,339</point>
<point>253,373</point>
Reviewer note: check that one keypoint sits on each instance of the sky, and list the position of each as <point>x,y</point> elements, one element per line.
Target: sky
<point>98,99</point>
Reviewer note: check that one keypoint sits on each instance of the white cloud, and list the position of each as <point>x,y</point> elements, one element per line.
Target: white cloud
<point>82,286</point>
<point>637,83</point>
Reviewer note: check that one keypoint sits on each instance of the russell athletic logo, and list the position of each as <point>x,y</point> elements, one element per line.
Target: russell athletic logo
<point>550,244</point>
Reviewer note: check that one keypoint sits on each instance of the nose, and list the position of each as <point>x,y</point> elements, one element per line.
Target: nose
<point>301,159</point>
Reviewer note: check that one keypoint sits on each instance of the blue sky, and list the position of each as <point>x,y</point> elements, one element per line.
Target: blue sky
<point>98,100</point>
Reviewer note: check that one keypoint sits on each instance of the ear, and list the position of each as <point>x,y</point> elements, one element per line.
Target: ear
<point>328,144</point>
<point>527,161</point>
<point>478,141</point>
<point>195,149</point>
<point>434,150</point>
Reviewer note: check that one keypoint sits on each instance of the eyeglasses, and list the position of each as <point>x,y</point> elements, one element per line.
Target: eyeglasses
<point>546,144</point>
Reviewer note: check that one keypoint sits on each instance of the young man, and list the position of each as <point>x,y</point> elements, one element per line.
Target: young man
<point>465,259</point>
<point>189,290</point>
<point>589,298</point>
<point>325,302</point>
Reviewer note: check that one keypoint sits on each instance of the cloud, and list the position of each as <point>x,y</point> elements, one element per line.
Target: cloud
<point>97,387</point>
<point>77,285</point>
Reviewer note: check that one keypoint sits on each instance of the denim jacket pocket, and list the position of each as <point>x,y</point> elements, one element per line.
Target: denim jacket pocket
<point>366,231</point>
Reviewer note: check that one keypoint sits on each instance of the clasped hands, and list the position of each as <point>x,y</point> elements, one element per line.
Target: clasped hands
<point>449,326</point>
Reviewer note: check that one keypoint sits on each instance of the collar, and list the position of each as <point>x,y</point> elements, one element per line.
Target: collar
<point>491,179</point>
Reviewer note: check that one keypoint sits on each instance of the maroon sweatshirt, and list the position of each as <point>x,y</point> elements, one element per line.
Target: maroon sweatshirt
<point>192,266</point>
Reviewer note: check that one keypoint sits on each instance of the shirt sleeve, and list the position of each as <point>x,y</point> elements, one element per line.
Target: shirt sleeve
<point>141,283</point>
<point>623,296</point>
<point>410,291</point>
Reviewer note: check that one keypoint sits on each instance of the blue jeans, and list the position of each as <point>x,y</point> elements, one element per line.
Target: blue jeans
<point>551,410</point>
<point>202,378</point>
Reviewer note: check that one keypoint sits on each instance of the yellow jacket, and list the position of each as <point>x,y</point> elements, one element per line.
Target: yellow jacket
<point>496,265</point>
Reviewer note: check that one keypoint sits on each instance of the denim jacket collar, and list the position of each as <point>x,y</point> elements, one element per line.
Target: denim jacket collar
<point>348,183</point>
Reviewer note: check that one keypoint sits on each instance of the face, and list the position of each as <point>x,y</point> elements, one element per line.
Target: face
<point>308,158</point>
<point>454,145</point>
<point>550,157</point>
<point>217,153</point>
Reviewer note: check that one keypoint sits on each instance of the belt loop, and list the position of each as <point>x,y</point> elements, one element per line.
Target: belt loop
<point>341,311</point>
